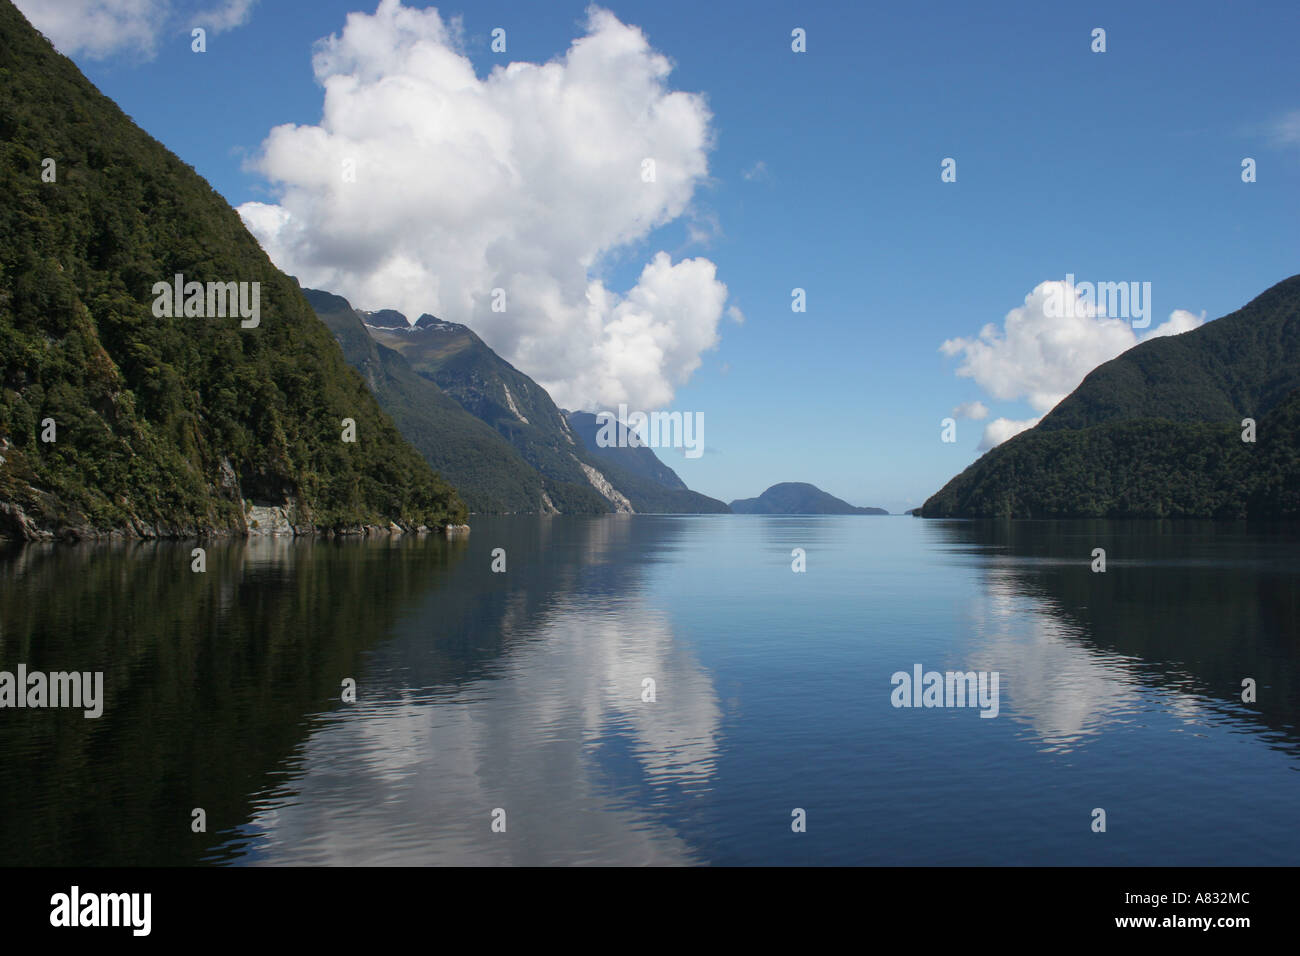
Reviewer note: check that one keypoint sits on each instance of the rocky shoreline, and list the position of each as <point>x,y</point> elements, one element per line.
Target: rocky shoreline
<point>260,521</point>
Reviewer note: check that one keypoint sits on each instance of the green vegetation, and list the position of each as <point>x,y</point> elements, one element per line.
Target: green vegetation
<point>1240,366</point>
<point>1157,433</point>
<point>163,425</point>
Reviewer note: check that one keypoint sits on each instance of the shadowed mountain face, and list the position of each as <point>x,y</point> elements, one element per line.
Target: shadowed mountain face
<point>488,472</point>
<point>636,471</point>
<point>798,498</point>
<point>627,451</point>
<point>1161,431</point>
<point>552,480</point>
<point>118,415</point>
<point>568,473</point>
<point>491,389</point>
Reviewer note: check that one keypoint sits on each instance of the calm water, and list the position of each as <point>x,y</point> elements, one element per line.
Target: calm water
<point>523,691</point>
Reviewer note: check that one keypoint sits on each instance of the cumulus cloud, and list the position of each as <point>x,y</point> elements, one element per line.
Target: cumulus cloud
<point>98,29</point>
<point>1179,321</point>
<point>1042,351</point>
<point>528,181</point>
<point>973,410</point>
<point>1000,429</point>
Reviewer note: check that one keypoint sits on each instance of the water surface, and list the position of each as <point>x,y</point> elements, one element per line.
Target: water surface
<point>523,692</point>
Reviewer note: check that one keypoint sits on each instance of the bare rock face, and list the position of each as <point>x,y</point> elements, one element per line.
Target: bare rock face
<point>227,480</point>
<point>14,523</point>
<point>601,484</point>
<point>268,520</point>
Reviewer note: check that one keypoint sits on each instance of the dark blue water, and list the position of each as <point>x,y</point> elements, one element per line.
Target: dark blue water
<point>523,692</point>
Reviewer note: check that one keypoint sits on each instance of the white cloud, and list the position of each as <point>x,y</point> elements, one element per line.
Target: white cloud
<point>98,29</point>
<point>973,410</point>
<point>527,180</point>
<point>1179,321</point>
<point>224,16</point>
<point>1286,128</point>
<point>756,172</point>
<point>703,229</point>
<point>1000,429</point>
<point>1040,358</point>
<point>734,313</point>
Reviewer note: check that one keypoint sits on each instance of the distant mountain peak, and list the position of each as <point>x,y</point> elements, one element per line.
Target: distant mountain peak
<point>385,319</point>
<point>436,324</point>
<point>390,320</point>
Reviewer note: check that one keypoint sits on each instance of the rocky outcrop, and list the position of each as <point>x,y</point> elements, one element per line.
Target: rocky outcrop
<point>14,523</point>
<point>259,521</point>
<point>601,484</point>
<point>268,520</point>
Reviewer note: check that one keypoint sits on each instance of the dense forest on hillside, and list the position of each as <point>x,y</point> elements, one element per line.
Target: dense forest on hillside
<point>1157,432</point>
<point>162,425</point>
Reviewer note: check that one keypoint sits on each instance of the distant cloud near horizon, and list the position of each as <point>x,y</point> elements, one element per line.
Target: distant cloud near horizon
<point>525,181</point>
<point>98,29</point>
<point>1040,358</point>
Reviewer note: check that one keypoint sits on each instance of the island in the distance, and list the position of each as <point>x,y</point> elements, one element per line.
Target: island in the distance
<point>798,498</point>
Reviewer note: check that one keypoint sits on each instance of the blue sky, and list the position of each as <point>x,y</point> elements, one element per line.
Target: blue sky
<point>823,172</point>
